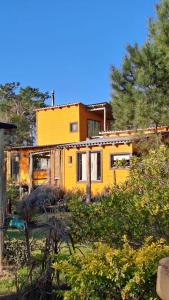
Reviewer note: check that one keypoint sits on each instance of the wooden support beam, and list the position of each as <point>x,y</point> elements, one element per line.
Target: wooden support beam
<point>30,172</point>
<point>105,117</point>
<point>96,109</point>
<point>52,167</point>
<point>58,168</point>
<point>88,177</point>
<point>114,178</point>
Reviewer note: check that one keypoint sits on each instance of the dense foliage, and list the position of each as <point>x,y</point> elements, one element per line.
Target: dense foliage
<point>139,208</point>
<point>12,196</point>
<point>108,249</point>
<point>17,105</point>
<point>106,273</point>
<point>140,87</point>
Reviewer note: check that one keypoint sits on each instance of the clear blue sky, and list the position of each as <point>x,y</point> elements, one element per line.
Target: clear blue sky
<point>69,45</point>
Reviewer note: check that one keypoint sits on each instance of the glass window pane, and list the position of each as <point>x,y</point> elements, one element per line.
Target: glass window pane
<point>114,158</point>
<point>74,127</point>
<point>94,127</point>
<point>95,166</point>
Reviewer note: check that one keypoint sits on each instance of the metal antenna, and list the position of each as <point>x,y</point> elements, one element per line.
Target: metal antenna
<point>53,98</point>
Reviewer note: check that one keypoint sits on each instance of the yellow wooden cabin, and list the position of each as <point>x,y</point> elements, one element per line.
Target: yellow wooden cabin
<point>64,135</point>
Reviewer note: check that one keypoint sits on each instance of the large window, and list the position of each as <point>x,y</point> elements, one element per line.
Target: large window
<point>40,162</point>
<point>95,166</point>
<point>120,160</point>
<point>93,127</point>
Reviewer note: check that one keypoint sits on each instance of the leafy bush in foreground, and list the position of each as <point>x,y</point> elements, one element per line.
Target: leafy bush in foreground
<point>107,273</point>
<point>139,208</point>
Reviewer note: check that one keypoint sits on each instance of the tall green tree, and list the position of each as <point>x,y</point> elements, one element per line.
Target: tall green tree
<point>140,87</point>
<point>17,105</point>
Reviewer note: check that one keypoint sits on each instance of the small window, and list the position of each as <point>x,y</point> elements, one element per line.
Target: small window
<point>15,166</point>
<point>69,160</point>
<point>74,127</point>
<point>120,160</point>
<point>95,166</point>
<point>93,127</point>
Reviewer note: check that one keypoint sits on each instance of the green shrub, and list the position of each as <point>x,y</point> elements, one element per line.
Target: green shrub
<point>12,196</point>
<point>15,251</point>
<point>138,208</point>
<point>107,273</point>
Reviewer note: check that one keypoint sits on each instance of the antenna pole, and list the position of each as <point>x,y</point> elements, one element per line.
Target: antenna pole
<point>53,98</point>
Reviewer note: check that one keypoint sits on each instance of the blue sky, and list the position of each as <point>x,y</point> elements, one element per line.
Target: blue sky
<point>69,45</point>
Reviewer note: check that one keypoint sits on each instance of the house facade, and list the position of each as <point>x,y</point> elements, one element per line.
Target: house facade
<point>65,136</point>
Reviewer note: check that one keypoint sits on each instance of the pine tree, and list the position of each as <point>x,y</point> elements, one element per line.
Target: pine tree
<point>140,87</point>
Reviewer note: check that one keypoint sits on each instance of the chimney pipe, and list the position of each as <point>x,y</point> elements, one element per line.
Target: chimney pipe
<point>53,98</point>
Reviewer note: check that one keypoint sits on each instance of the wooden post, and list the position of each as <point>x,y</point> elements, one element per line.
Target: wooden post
<point>52,167</point>
<point>114,178</point>
<point>57,168</point>
<point>162,286</point>
<point>105,117</point>
<point>30,172</point>
<point>88,177</point>
<point>1,199</point>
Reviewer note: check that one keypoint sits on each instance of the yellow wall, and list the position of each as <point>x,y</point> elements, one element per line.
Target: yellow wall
<point>53,125</point>
<point>69,176</point>
<point>69,171</point>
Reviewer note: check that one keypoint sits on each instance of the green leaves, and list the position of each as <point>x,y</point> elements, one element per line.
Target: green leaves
<point>140,87</point>
<point>106,273</point>
<point>17,105</point>
<point>137,209</point>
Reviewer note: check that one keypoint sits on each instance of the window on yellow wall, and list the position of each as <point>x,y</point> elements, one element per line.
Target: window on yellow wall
<point>73,127</point>
<point>40,162</point>
<point>122,160</point>
<point>69,160</point>
<point>95,166</point>
<point>93,127</point>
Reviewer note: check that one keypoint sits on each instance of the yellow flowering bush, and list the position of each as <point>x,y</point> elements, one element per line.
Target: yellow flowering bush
<point>106,273</point>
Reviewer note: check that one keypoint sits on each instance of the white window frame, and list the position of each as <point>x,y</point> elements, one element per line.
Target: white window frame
<point>94,166</point>
<point>118,157</point>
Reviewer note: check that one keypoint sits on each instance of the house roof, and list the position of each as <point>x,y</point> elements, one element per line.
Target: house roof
<point>87,143</point>
<point>58,106</point>
<point>98,141</point>
<point>94,105</point>
<point>99,104</point>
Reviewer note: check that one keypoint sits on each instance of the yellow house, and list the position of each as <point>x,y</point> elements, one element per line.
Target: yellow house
<point>66,136</point>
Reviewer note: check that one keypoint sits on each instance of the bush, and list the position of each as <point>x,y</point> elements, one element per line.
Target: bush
<point>108,220</point>
<point>107,273</point>
<point>138,208</point>
<point>15,251</point>
<point>12,196</point>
